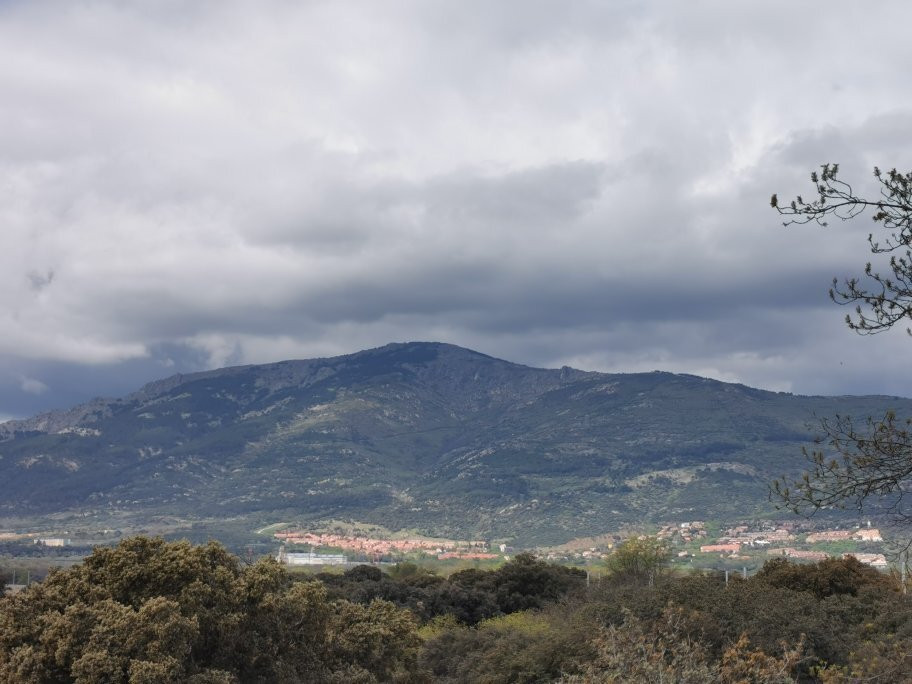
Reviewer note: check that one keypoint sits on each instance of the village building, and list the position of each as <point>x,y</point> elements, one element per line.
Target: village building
<point>720,548</point>
<point>828,536</point>
<point>799,554</point>
<point>52,541</point>
<point>466,556</point>
<point>868,535</point>
<point>310,558</point>
<point>875,560</point>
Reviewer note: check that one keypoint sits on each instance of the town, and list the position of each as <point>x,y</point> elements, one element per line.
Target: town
<point>695,543</point>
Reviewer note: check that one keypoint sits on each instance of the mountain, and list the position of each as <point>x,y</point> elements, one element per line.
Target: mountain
<point>423,436</point>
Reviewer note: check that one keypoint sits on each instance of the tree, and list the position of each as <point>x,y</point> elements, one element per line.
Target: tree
<point>156,611</point>
<point>829,577</point>
<point>664,651</point>
<point>881,301</point>
<point>528,582</point>
<point>873,460</point>
<point>638,560</point>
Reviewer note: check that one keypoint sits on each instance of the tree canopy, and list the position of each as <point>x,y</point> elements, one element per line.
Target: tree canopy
<point>638,559</point>
<point>156,611</point>
<point>153,611</point>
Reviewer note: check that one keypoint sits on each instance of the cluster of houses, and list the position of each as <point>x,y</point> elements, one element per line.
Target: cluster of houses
<point>740,538</point>
<point>687,531</point>
<point>863,534</point>
<point>365,545</point>
<point>742,535</point>
<point>877,560</point>
<point>736,543</point>
<point>375,548</point>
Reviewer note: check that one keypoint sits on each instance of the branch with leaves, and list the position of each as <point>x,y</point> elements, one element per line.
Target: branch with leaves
<point>881,301</point>
<point>873,461</point>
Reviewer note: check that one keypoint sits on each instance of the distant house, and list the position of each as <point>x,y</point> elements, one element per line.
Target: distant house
<point>868,535</point>
<point>799,554</point>
<point>310,558</point>
<point>875,560</point>
<point>466,556</point>
<point>720,548</point>
<point>829,535</point>
<point>52,541</point>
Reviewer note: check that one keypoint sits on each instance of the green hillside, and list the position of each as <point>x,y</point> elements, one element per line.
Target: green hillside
<point>421,435</point>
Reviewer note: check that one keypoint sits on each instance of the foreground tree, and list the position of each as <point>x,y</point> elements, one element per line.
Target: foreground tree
<point>154,611</point>
<point>873,459</point>
<point>638,560</point>
<point>665,651</point>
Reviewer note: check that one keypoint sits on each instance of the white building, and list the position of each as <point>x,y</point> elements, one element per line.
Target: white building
<point>310,558</point>
<point>52,541</point>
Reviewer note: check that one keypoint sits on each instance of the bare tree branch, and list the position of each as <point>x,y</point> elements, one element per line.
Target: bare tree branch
<point>857,465</point>
<point>880,301</point>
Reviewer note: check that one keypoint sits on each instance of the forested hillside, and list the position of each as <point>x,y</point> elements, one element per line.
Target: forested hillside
<point>419,436</point>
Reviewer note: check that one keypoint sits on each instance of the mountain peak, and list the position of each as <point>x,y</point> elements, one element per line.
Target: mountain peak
<point>420,435</point>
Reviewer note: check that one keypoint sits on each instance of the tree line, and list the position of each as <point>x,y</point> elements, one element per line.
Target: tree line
<point>154,611</point>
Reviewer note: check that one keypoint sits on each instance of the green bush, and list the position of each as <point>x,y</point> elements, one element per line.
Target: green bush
<point>153,611</point>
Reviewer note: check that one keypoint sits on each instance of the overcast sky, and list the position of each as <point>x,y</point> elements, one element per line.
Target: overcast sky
<point>191,185</point>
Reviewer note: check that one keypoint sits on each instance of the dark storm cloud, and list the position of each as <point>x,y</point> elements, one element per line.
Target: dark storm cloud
<point>230,182</point>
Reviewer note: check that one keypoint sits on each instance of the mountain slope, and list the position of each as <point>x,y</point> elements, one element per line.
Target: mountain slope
<point>419,435</point>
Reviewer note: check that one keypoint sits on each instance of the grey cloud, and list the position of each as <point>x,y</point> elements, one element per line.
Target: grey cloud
<point>536,197</point>
<point>549,183</point>
<point>39,281</point>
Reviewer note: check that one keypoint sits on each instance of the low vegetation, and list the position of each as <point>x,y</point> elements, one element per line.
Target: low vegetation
<point>155,611</point>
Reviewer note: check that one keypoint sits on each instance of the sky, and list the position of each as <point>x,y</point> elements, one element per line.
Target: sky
<point>185,186</point>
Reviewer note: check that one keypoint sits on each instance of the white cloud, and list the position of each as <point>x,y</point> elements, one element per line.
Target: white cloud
<point>33,386</point>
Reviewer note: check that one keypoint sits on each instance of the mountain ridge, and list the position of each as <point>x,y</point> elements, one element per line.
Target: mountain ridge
<point>425,436</point>
<point>75,415</point>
